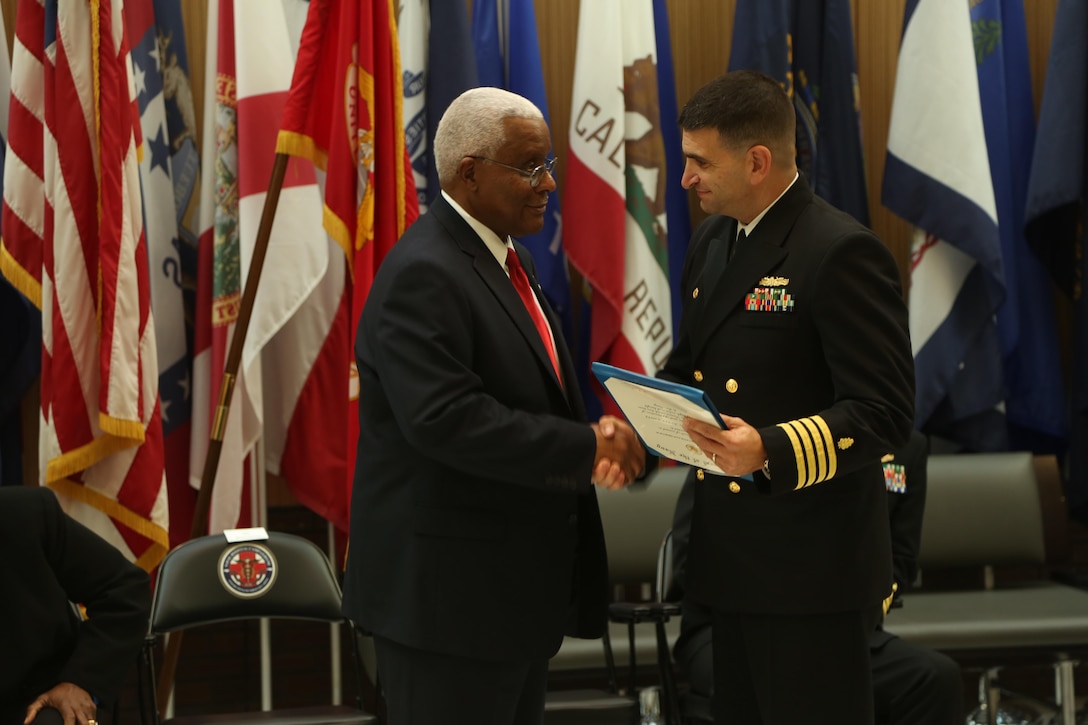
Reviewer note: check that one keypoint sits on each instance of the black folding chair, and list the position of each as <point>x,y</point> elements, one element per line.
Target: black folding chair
<point>209,580</point>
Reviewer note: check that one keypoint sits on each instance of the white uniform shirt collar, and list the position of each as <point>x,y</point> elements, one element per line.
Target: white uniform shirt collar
<point>495,245</point>
<point>751,226</point>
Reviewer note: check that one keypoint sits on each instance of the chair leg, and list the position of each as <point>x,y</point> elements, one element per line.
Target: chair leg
<point>632,665</point>
<point>668,679</point>
<point>1064,690</point>
<point>990,693</point>
<point>610,662</point>
<point>145,687</point>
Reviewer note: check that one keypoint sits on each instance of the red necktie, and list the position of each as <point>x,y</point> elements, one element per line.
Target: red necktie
<point>521,284</point>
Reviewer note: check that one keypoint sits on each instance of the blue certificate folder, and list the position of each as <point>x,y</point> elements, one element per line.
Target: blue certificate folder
<point>656,409</point>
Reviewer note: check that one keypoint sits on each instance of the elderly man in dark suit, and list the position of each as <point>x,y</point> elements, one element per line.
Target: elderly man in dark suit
<point>57,668</point>
<point>795,324</point>
<point>476,541</point>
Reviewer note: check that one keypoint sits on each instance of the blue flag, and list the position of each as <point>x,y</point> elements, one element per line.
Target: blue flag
<point>451,71</point>
<point>676,197</point>
<point>161,67</point>
<point>437,65</point>
<point>937,177</point>
<point>808,45</point>
<point>508,56</point>
<point>1034,394</point>
<point>1055,209</point>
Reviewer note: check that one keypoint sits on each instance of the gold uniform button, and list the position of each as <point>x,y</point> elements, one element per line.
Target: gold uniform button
<point>698,375</point>
<point>734,487</point>
<point>695,293</point>
<point>699,474</point>
<point>731,385</point>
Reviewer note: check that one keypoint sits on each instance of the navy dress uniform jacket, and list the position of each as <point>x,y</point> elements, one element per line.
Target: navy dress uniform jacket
<point>804,335</point>
<point>49,560</point>
<point>475,530</point>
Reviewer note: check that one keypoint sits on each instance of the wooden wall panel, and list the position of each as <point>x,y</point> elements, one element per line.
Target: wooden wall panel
<point>195,17</point>
<point>1040,25</point>
<point>876,37</point>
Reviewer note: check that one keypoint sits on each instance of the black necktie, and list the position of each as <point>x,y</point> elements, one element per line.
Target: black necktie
<point>741,236</point>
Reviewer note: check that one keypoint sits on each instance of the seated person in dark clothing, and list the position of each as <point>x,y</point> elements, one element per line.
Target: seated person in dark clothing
<point>912,685</point>
<point>57,667</point>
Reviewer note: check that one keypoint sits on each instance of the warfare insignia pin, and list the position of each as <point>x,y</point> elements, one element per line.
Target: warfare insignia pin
<point>887,458</point>
<point>247,570</point>
<point>845,443</point>
<point>774,281</point>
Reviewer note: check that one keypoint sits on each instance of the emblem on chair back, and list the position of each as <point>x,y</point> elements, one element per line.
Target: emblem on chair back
<point>247,570</point>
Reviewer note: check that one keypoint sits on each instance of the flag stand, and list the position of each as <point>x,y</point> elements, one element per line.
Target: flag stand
<point>226,390</point>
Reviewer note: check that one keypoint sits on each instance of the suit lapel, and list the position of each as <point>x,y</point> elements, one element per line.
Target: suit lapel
<point>762,251</point>
<point>494,278</point>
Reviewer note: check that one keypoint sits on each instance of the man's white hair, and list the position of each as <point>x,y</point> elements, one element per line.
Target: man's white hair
<point>473,126</point>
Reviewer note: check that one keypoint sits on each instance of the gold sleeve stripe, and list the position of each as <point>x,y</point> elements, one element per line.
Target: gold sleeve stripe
<point>813,448</point>
<point>807,464</point>
<point>810,457</point>
<point>797,452</point>
<point>829,445</point>
<point>819,473</point>
<point>824,447</point>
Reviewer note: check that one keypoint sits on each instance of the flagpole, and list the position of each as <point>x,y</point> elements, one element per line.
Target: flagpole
<point>226,390</point>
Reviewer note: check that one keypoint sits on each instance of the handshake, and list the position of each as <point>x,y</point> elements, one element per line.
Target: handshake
<point>620,456</point>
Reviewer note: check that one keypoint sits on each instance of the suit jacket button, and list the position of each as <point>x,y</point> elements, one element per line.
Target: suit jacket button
<point>698,375</point>
<point>695,293</point>
<point>573,520</point>
<point>734,487</point>
<point>731,385</point>
<point>699,474</point>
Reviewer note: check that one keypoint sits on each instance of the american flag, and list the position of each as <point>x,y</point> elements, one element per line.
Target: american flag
<point>74,243</point>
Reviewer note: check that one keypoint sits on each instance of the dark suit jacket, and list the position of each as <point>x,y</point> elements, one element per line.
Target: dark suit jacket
<point>829,384</point>
<point>47,560</point>
<point>474,526</point>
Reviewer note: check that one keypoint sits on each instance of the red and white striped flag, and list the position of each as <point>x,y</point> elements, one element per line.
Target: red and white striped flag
<point>249,72</point>
<point>345,114</point>
<point>24,213</point>
<point>615,231</point>
<point>74,240</point>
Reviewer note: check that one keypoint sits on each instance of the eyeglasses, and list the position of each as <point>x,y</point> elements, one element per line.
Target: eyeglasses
<point>536,176</point>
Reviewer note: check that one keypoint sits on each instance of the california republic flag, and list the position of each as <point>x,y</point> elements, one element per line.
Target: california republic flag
<point>615,233</point>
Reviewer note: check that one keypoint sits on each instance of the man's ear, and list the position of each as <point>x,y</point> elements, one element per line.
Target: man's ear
<point>466,170</point>
<point>758,162</point>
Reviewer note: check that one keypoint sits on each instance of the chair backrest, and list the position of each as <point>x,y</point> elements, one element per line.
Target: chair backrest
<point>982,509</point>
<point>635,522</point>
<point>208,580</point>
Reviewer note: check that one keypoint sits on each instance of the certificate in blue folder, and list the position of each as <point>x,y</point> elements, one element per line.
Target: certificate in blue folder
<point>656,409</point>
